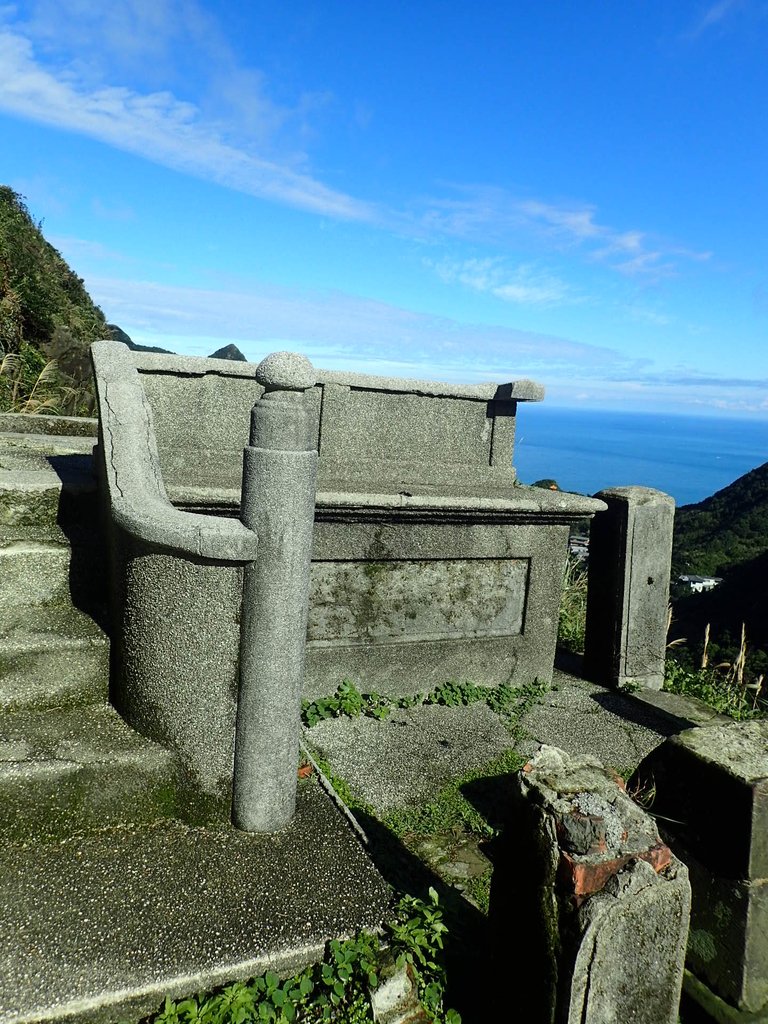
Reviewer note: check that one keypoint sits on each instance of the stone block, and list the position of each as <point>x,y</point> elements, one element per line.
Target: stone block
<point>710,788</point>
<point>628,965</point>
<point>629,569</point>
<point>711,785</point>
<point>728,941</point>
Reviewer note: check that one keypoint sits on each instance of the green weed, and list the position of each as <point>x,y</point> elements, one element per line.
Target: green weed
<point>505,700</point>
<point>337,990</point>
<point>573,607</point>
<point>728,686</point>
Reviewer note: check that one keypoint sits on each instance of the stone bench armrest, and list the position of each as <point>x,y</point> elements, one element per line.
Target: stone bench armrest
<point>160,524</point>
<point>138,500</point>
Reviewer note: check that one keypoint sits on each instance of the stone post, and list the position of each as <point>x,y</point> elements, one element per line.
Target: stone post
<point>278,504</point>
<point>602,902</point>
<point>630,552</point>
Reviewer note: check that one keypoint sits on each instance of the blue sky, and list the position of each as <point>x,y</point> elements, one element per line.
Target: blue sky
<point>463,191</point>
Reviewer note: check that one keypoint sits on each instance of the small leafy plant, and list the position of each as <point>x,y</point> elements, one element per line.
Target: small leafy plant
<point>349,701</point>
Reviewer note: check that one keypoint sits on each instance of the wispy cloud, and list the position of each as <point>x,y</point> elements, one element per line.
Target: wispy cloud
<point>713,15</point>
<point>158,126</point>
<point>345,331</point>
<point>491,214</point>
<point>524,284</point>
<point>66,63</point>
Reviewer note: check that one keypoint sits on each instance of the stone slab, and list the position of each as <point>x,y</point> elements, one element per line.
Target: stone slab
<point>728,943</point>
<point>409,756</point>
<point>103,928</point>
<point>48,502</point>
<point>25,423</point>
<point>584,718</point>
<point>716,1009</point>
<point>414,600</point>
<point>33,573</point>
<point>629,560</point>
<point>630,964</point>
<point>601,901</point>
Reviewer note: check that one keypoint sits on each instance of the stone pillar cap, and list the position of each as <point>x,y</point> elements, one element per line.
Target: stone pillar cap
<point>286,371</point>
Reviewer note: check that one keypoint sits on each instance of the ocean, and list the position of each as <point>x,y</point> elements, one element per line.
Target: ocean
<point>688,457</point>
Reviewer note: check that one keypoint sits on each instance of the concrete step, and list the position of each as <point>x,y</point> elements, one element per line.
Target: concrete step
<point>35,451</point>
<point>36,574</point>
<point>47,497</point>
<point>100,929</point>
<point>70,771</point>
<point>52,657</point>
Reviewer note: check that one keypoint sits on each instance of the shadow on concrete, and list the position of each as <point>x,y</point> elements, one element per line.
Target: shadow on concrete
<point>570,663</point>
<point>623,705</point>
<point>79,520</point>
<point>632,710</point>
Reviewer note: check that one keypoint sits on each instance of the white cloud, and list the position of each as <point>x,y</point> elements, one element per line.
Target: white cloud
<point>157,126</point>
<point>75,250</point>
<point>345,332</point>
<point>524,284</point>
<point>647,315</point>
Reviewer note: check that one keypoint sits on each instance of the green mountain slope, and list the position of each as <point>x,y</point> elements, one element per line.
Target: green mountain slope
<point>45,315</point>
<point>725,530</point>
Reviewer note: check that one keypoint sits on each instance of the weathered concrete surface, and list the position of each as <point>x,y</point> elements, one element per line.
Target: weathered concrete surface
<point>702,998</point>
<point>102,928</point>
<point>601,900</point>
<point>52,499</point>
<point>373,427</point>
<point>583,718</point>
<point>711,788</point>
<point>177,587</point>
<point>630,551</point>
<point>629,965</point>
<point>508,547</point>
<point>419,497</point>
<point>57,659</point>
<point>34,573</point>
<point>80,769</point>
<point>434,600</point>
<point>412,754</point>
<point>71,426</point>
<point>408,756</point>
<point>395,1000</point>
<point>178,659</point>
<point>724,768</point>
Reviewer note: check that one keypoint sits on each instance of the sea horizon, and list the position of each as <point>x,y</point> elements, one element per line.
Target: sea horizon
<point>586,450</point>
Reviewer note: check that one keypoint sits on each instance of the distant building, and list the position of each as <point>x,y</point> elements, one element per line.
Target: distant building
<point>698,584</point>
<point>579,548</point>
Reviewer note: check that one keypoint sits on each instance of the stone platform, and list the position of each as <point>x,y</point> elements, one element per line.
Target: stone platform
<point>102,927</point>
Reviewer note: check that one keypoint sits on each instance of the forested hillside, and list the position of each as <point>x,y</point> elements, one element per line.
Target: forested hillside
<point>729,528</point>
<point>726,535</point>
<point>47,320</point>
